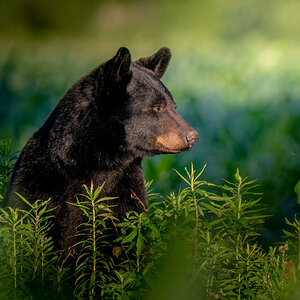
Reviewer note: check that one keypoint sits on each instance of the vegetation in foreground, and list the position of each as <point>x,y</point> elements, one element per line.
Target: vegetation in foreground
<point>200,243</point>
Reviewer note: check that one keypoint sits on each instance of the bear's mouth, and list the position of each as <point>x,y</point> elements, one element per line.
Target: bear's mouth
<point>172,143</point>
<point>167,150</point>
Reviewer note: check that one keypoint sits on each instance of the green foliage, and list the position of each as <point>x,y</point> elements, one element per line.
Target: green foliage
<point>29,265</point>
<point>7,161</point>
<point>91,261</point>
<point>297,190</point>
<point>200,242</point>
<point>226,257</point>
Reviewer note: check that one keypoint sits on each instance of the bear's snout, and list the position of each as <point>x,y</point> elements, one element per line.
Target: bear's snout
<point>192,137</point>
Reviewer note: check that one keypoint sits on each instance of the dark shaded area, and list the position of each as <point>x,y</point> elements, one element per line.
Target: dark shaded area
<point>36,18</point>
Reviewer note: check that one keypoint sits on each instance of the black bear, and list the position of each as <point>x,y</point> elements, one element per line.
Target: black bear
<point>100,131</point>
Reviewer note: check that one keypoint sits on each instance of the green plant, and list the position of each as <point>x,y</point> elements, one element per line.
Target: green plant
<point>292,244</point>
<point>7,161</point>
<point>199,241</point>
<point>91,262</point>
<point>229,260</point>
<point>12,251</point>
<point>29,264</point>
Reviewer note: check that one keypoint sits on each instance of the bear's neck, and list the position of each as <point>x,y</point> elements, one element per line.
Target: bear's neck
<point>126,183</point>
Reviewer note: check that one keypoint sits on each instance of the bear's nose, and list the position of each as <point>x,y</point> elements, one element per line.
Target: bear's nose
<point>192,137</point>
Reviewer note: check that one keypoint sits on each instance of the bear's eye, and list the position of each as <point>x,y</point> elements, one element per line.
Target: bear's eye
<point>157,108</point>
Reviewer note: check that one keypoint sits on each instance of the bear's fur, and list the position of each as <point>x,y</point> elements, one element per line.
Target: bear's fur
<point>100,131</point>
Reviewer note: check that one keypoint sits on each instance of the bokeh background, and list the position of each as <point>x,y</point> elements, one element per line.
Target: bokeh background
<point>235,74</point>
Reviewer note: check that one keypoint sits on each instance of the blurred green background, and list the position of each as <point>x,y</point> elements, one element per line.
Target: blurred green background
<point>235,74</point>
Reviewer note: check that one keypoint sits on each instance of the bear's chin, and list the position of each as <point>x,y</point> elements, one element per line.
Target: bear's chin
<point>165,150</point>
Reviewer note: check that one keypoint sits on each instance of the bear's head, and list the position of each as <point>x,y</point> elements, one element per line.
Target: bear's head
<point>144,105</point>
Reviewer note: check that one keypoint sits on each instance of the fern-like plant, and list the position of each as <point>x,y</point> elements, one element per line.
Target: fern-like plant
<point>32,267</point>
<point>92,263</point>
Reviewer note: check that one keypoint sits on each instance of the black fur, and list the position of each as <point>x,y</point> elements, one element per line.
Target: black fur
<point>100,131</point>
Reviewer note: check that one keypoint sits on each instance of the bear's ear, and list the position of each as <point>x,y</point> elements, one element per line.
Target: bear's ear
<point>118,68</point>
<point>158,62</point>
